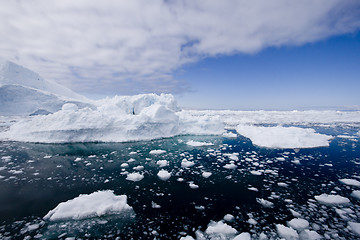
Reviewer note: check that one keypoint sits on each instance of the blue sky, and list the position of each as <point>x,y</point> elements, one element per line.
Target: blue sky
<point>217,54</point>
<point>324,74</point>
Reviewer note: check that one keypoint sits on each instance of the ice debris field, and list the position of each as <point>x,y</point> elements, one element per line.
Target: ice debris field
<point>140,167</point>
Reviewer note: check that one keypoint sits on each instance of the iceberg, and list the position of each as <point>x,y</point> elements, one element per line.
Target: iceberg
<point>90,205</point>
<point>283,137</point>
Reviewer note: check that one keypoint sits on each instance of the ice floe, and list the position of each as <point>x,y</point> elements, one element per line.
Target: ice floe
<point>332,200</point>
<point>164,175</point>
<point>350,182</point>
<point>198,144</point>
<point>283,137</point>
<point>90,205</point>
<point>134,177</point>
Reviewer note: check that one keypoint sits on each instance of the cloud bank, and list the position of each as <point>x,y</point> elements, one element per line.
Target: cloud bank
<point>121,46</point>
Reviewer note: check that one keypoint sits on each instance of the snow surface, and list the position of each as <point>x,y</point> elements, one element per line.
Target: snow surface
<point>90,205</point>
<point>283,137</point>
<point>332,200</point>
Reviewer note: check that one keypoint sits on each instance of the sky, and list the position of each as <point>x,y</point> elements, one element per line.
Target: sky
<point>215,54</point>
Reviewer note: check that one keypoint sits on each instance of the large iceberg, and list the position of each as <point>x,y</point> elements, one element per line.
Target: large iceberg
<point>118,119</point>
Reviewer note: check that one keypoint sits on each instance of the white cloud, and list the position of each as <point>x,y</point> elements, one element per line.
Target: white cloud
<point>134,46</point>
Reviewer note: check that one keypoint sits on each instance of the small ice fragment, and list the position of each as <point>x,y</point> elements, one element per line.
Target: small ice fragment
<point>220,228</point>
<point>332,200</point>
<point>281,184</point>
<point>138,168</point>
<point>157,152</point>
<point>164,175</point>
<point>162,163</point>
<point>124,165</point>
<point>193,186</point>
<point>229,218</point>
<point>206,174</point>
<point>356,194</point>
<point>298,224</point>
<point>253,189</point>
<point>230,166</point>
<point>154,205</point>
<point>230,135</point>
<point>286,232</point>
<point>186,163</point>
<point>90,205</point>
<point>257,173</point>
<point>265,203</point>
<point>311,235</point>
<point>355,228</point>
<point>78,159</point>
<point>47,156</point>
<point>135,177</point>
<point>243,236</point>
<point>350,182</point>
<point>187,238</point>
<point>198,144</point>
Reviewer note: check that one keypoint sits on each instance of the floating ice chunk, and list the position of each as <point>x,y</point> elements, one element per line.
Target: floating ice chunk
<point>286,232</point>
<point>187,238</point>
<point>309,235</point>
<point>257,173</point>
<point>243,236</point>
<point>284,137</point>
<point>350,182</point>
<point>298,224</point>
<point>232,156</point>
<point>253,189</point>
<point>124,165</point>
<point>230,135</point>
<point>164,175</point>
<point>230,166</point>
<point>265,203</point>
<point>295,213</point>
<point>135,177</point>
<point>90,205</point>
<point>229,218</point>
<point>220,228</point>
<point>198,144</point>
<point>206,174</point>
<point>154,205</point>
<point>138,168</point>
<point>162,163</point>
<point>355,228</point>
<point>157,152</point>
<point>193,185</point>
<point>281,184</point>
<point>332,200</point>
<point>186,163</point>
<point>356,194</point>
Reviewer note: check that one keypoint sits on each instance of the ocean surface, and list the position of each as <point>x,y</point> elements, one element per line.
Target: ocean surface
<point>35,178</point>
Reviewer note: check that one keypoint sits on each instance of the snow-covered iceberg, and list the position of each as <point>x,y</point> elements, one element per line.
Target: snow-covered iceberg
<point>90,205</point>
<point>118,119</point>
<point>283,137</point>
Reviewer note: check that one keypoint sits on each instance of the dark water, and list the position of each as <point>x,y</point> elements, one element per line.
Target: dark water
<point>35,178</point>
